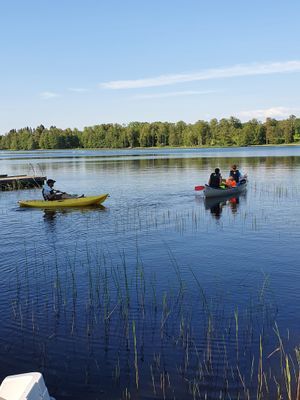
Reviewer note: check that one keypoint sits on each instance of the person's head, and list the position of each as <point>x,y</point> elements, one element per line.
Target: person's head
<point>50,182</point>
<point>217,170</point>
<point>234,167</point>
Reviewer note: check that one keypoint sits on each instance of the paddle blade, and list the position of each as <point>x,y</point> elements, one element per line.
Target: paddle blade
<point>199,187</point>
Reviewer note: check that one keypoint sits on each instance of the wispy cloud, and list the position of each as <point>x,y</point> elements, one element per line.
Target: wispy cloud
<point>173,94</point>
<point>49,95</point>
<point>272,112</point>
<point>216,73</point>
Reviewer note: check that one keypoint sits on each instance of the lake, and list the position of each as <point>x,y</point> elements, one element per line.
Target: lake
<point>159,293</point>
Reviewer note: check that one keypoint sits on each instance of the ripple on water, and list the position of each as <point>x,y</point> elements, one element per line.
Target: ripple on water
<point>195,284</point>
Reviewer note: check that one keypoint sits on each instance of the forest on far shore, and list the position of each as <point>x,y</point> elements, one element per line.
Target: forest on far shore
<point>221,133</point>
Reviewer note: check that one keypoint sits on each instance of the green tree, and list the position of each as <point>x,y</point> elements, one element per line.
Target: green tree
<point>225,133</point>
<point>203,132</point>
<point>274,133</point>
<point>297,129</point>
<point>189,136</point>
<point>288,127</point>
<point>174,139</point>
<point>93,137</point>
<point>132,132</point>
<point>213,129</point>
<point>162,134</point>
<point>176,133</point>
<point>252,133</point>
<point>144,137</point>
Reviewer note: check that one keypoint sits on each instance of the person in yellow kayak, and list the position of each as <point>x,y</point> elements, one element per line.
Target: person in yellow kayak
<point>49,193</point>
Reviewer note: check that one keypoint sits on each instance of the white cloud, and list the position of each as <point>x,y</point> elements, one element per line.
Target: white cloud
<point>216,73</point>
<point>173,94</point>
<point>49,95</point>
<point>272,112</point>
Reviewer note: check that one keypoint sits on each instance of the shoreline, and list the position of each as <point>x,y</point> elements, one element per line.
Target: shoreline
<point>158,147</point>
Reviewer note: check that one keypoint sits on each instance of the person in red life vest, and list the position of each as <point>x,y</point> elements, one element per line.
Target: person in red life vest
<point>230,182</point>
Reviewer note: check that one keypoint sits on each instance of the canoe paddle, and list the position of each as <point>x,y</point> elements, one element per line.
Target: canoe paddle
<point>199,187</point>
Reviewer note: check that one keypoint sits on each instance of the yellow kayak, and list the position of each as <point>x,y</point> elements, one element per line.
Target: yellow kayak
<point>79,202</point>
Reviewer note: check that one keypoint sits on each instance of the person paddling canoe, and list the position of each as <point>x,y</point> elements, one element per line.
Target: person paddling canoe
<point>236,174</point>
<point>215,179</point>
<point>49,193</point>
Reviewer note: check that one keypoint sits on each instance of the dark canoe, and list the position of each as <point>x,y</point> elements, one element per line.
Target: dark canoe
<point>213,192</point>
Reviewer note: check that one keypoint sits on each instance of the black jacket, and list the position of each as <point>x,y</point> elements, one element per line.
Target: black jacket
<point>214,180</point>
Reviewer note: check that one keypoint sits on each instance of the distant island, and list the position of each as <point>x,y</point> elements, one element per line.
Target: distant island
<point>221,133</point>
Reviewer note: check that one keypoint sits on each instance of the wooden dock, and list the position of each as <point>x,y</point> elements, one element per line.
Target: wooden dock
<point>21,182</point>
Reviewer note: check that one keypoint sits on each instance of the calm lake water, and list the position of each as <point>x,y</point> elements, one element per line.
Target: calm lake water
<point>158,294</point>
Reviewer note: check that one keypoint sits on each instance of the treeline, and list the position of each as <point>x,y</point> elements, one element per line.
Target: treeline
<point>224,132</point>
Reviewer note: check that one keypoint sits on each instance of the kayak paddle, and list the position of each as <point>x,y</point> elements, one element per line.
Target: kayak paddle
<point>199,187</point>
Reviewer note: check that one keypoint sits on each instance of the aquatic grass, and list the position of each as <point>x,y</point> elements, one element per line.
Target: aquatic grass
<point>136,367</point>
<point>236,317</point>
<point>179,339</point>
<point>140,284</point>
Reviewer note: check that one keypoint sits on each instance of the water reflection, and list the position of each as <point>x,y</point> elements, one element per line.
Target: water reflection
<point>234,202</point>
<point>82,163</point>
<point>216,205</point>
<point>51,214</point>
<point>79,287</point>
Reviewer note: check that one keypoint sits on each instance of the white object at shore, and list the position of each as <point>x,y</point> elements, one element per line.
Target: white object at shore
<point>30,386</point>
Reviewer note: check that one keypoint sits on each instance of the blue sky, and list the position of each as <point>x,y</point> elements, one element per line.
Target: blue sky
<point>80,63</point>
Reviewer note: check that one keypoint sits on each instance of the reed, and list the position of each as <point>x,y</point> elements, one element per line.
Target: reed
<point>136,367</point>
<point>170,339</point>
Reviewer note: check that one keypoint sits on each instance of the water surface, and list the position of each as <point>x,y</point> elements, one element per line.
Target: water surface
<point>159,293</point>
